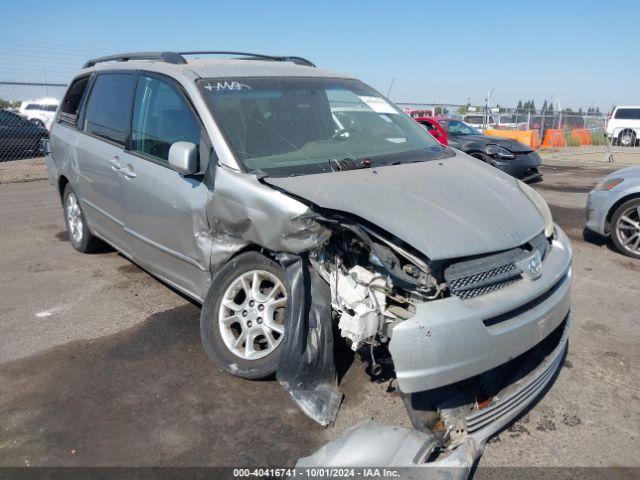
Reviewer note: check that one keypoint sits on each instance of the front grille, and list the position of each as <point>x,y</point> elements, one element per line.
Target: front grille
<point>474,292</point>
<point>483,275</point>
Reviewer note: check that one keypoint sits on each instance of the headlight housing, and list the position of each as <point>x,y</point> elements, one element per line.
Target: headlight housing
<point>498,151</point>
<point>541,205</point>
<point>607,185</point>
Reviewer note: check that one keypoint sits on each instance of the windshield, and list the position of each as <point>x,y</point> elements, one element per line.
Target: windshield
<point>456,127</point>
<point>287,126</point>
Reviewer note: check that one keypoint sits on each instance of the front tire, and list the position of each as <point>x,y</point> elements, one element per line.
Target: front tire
<point>625,228</point>
<point>481,156</point>
<point>79,234</point>
<point>242,318</point>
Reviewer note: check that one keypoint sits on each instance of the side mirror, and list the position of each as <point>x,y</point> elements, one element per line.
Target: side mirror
<point>183,158</point>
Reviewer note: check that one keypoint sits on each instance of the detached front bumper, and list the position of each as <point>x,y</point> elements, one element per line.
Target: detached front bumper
<point>450,340</point>
<point>371,444</point>
<point>523,167</point>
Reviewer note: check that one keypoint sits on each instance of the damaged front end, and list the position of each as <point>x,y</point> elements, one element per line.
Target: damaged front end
<point>366,283</point>
<point>449,326</point>
<point>375,283</point>
<point>473,342</point>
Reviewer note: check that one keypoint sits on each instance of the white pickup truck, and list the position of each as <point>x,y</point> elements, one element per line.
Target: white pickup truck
<point>623,126</point>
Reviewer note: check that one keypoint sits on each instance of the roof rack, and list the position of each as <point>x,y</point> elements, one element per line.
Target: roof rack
<point>168,57</point>
<point>257,56</point>
<point>178,59</point>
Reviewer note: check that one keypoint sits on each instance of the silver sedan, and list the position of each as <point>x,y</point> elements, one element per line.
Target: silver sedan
<point>613,208</point>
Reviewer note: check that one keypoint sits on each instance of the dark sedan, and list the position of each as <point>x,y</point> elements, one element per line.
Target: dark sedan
<point>508,155</point>
<point>19,138</point>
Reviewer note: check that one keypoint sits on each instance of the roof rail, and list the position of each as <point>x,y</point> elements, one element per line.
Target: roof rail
<point>178,59</point>
<point>257,56</point>
<point>168,57</point>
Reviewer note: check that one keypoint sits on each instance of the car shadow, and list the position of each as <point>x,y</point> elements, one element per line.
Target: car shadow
<point>599,241</point>
<point>100,247</point>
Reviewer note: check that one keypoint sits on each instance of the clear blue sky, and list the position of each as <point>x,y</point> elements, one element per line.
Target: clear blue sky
<point>579,51</point>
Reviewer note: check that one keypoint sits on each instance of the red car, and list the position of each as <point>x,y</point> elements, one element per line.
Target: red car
<point>434,128</point>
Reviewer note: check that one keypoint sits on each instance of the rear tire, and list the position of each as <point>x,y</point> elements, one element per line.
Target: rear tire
<point>242,318</point>
<point>627,138</point>
<point>79,234</point>
<point>625,228</point>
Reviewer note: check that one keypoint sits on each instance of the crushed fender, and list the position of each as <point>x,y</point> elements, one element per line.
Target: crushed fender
<point>306,367</point>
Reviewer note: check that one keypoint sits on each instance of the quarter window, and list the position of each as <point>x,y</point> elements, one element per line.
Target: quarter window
<point>70,106</point>
<point>161,117</point>
<point>109,107</point>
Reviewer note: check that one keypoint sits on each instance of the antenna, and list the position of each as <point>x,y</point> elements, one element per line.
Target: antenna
<point>390,86</point>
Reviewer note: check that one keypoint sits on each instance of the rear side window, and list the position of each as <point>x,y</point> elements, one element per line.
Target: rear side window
<point>109,106</point>
<point>161,117</point>
<point>628,114</point>
<point>430,127</point>
<point>71,102</point>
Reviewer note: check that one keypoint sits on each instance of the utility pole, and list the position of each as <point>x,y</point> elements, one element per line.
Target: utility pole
<point>486,110</point>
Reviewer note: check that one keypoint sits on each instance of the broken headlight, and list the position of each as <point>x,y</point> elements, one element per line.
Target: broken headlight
<point>499,152</point>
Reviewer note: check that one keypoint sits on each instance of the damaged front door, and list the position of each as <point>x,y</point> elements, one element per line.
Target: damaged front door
<point>164,211</point>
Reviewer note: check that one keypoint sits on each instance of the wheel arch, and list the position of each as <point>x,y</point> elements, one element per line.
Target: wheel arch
<point>478,154</point>
<point>251,247</point>
<point>615,206</point>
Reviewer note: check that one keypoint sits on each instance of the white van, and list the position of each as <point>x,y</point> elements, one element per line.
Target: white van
<point>623,126</point>
<point>40,112</point>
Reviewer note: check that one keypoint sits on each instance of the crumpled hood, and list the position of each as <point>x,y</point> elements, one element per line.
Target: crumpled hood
<point>481,140</point>
<point>447,208</point>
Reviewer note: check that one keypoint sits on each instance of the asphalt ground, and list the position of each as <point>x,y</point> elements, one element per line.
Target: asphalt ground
<point>101,364</point>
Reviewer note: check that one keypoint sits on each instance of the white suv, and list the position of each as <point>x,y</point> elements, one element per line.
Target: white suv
<point>40,112</point>
<point>623,126</point>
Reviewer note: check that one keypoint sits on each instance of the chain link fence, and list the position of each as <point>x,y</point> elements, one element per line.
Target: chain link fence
<point>27,111</point>
<point>562,133</point>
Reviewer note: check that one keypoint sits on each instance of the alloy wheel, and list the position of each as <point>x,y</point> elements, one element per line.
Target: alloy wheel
<point>74,218</point>
<point>251,315</point>
<point>628,229</point>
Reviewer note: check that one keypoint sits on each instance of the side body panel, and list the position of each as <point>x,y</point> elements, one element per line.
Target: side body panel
<point>165,223</point>
<point>99,185</point>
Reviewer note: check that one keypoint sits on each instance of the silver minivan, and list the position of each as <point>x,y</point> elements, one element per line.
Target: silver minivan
<point>293,202</point>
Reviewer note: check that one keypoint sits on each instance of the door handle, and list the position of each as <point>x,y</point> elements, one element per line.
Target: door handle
<point>128,171</point>
<point>115,163</point>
